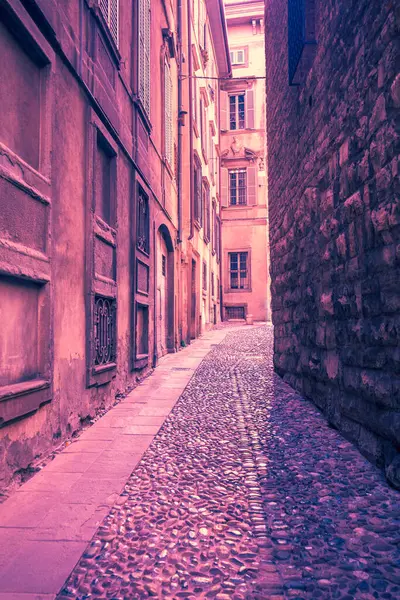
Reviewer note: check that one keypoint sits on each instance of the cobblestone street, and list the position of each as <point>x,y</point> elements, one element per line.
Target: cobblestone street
<point>246,493</point>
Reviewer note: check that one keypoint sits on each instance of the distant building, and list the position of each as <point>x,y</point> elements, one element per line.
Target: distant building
<point>245,277</point>
<point>333,93</point>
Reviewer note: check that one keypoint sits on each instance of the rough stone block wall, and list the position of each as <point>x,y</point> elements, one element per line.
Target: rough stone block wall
<point>333,173</point>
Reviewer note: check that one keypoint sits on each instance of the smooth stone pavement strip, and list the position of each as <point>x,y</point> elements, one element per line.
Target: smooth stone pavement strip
<point>46,524</point>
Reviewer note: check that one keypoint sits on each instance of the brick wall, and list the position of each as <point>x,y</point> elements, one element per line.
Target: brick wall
<point>335,219</point>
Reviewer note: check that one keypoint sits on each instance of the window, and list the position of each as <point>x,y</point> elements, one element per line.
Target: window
<point>168,114</point>
<point>211,155</point>
<point>198,195</point>
<point>204,276</point>
<point>143,242</point>
<point>238,271</point>
<point>104,331</point>
<point>237,187</point>
<point>144,54</point>
<point>214,227</point>
<point>163,265</point>
<point>110,11</point>
<point>142,330</point>
<point>203,128</point>
<point>212,285</point>
<point>235,312</point>
<point>301,38</point>
<point>104,180</point>
<point>237,57</point>
<point>218,239</point>
<point>237,112</point>
<point>207,213</point>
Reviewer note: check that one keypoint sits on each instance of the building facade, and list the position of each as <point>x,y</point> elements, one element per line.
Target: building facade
<point>108,233</point>
<point>245,277</point>
<point>333,94</point>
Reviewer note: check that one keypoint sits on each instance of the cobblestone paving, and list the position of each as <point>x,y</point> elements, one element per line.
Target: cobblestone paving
<point>246,493</point>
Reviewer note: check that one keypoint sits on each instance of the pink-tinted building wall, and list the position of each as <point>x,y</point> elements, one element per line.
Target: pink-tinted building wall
<point>245,279</point>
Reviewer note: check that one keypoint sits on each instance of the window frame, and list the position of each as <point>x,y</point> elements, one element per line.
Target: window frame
<point>239,188</point>
<point>247,287</point>
<point>239,120</point>
<point>168,120</point>
<point>145,247</point>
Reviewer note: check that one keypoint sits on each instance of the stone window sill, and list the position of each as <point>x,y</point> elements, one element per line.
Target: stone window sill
<point>20,399</point>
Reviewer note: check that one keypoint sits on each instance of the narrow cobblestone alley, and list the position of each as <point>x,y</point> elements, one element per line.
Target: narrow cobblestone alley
<point>246,493</point>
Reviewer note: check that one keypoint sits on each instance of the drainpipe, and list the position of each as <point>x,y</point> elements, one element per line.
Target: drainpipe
<point>180,122</point>
<point>190,74</point>
<point>155,297</point>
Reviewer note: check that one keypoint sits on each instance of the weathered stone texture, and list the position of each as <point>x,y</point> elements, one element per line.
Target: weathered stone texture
<point>335,219</point>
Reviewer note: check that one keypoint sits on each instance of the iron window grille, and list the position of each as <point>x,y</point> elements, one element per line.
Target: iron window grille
<point>237,112</point>
<point>143,242</point>
<point>163,265</point>
<point>110,11</point>
<point>238,271</point>
<point>237,187</point>
<point>104,331</point>
<point>235,312</point>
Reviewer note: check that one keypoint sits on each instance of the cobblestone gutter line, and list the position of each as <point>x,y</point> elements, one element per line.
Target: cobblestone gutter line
<point>246,494</point>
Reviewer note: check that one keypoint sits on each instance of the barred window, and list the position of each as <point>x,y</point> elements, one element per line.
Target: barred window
<point>168,113</point>
<point>142,241</point>
<point>212,285</point>
<point>237,187</point>
<point>110,11</point>
<point>238,270</point>
<point>144,54</point>
<point>104,330</point>
<point>237,113</point>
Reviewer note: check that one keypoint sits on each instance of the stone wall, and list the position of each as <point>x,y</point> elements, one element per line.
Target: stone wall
<point>334,211</point>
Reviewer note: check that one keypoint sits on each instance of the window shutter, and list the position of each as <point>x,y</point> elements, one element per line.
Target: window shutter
<point>144,54</point>
<point>224,112</point>
<point>224,187</point>
<point>109,10</point>
<point>252,186</point>
<point>168,113</point>
<point>114,16</point>
<point>250,109</point>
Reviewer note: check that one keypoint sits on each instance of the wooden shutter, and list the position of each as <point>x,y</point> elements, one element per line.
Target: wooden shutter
<point>144,54</point>
<point>250,109</point>
<point>252,184</point>
<point>168,113</point>
<point>109,10</point>
<point>224,187</point>
<point>114,17</point>
<point>224,112</point>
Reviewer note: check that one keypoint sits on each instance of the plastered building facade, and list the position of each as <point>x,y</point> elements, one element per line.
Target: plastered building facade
<point>245,277</point>
<point>109,204</point>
